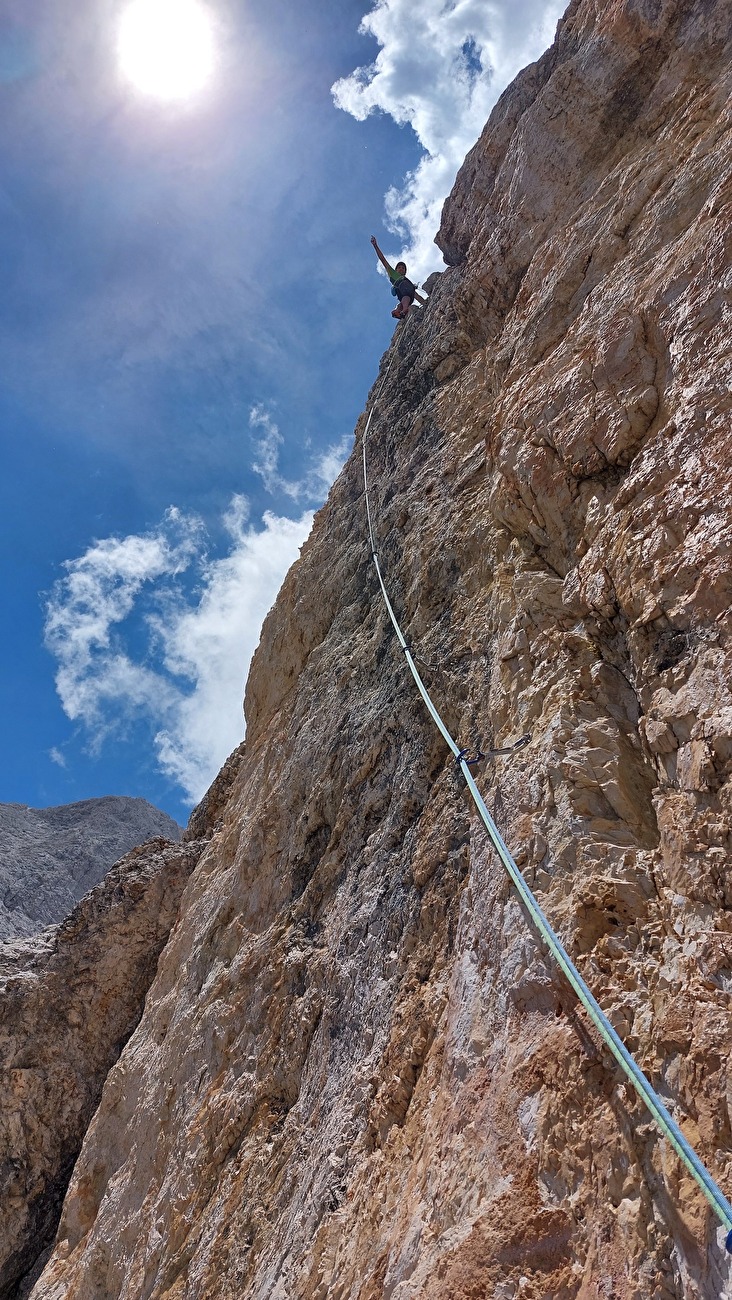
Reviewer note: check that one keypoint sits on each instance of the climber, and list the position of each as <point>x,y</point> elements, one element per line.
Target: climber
<point>401,287</point>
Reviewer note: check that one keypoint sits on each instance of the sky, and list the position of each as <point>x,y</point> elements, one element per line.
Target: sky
<point>191,319</point>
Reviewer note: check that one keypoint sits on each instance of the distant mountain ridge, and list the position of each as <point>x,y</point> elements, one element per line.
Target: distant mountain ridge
<point>50,857</point>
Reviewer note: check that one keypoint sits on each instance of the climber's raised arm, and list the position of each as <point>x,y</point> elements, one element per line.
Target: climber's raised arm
<point>389,269</point>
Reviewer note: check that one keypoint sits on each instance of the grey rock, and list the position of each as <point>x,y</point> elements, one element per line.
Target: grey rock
<point>50,857</point>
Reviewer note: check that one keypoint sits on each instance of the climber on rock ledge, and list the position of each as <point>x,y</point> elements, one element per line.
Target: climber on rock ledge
<point>401,287</point>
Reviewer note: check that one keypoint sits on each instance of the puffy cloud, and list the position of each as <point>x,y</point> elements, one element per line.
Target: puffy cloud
<point>210,645</point>
<point>98,593</point>
<point>319,476</point>
<point>132,642</point>
<point>441,68</point>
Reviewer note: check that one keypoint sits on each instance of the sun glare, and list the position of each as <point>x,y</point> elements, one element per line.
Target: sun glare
<point>166,47</point>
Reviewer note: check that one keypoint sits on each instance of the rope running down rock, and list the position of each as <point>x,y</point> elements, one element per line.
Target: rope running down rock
<point>666,1124</point>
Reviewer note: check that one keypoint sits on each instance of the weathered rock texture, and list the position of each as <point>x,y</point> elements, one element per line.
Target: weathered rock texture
<point>69,1000</point>
<point>50,857</point>
<point>208,814</point>
<point>357,1075</point>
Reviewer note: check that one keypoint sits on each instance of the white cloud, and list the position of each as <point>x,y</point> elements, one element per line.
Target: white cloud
<point>441,68</point>
<point>210,646</point>
<point>57,757</point>
<point>98,593</point>
<point>130,643</point>
<point>314,485</point>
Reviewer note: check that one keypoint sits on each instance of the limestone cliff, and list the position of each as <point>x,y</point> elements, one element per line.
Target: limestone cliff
<point>357,1076</point>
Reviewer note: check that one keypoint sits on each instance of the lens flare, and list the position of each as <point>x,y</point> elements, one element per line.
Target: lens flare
<point>166,47</point>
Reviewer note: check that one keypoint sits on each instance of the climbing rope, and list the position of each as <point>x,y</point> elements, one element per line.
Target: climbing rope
<point>666,1124</point>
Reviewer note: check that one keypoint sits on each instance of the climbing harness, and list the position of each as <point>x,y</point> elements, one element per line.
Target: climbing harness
<point>666,1124</point>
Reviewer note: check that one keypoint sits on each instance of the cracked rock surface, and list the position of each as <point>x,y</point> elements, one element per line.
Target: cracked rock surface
<point>69,1000</point>
<point>358,1076</point>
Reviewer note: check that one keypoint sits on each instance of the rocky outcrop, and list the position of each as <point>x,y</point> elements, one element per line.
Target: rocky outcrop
<point>50,857</point>
<point>207,815</point>
<point>69,1000</point>
<point>357,1074</point>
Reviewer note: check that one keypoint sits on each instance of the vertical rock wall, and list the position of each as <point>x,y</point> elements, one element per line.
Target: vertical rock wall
<point>358,1077</point>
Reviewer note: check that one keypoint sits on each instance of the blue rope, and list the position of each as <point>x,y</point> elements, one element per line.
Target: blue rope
<point>667,1125</point>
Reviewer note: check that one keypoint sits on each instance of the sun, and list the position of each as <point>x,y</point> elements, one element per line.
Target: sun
<point>166,47</point>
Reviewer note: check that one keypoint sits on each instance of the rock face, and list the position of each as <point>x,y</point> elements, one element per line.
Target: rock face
<point>69,1000</point>
<point>358,1076</point>
<point>50,857</point>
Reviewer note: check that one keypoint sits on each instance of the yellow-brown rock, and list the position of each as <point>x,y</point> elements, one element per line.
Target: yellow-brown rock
<point>358,1076</point>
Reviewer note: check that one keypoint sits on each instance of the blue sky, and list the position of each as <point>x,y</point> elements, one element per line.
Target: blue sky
<point>190,321</point>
